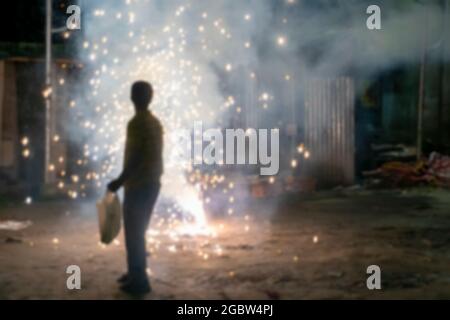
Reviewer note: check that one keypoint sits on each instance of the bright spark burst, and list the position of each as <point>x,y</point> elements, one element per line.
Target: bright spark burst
<point>173,54</point>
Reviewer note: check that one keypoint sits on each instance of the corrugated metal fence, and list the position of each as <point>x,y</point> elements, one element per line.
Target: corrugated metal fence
<point>329,130</point>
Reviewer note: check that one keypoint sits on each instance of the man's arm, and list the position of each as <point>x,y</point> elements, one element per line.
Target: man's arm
<point>134,159</point>
<point>127,171</point>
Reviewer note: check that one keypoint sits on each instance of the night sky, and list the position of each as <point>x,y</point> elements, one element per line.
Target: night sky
<point>24,20</point>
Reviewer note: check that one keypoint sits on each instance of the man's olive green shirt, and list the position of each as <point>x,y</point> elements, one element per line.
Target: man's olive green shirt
<point>143,150</point>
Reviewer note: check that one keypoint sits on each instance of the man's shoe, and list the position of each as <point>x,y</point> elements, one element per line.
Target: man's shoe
<point>123,278</point>
<point>136,288</point>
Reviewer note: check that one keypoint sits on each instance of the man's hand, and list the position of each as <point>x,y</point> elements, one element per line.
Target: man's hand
<point>114,185</point>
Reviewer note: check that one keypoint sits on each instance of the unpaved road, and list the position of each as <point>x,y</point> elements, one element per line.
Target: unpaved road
<point>316,248</point>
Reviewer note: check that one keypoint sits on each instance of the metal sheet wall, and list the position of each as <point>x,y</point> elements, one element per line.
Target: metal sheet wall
<point>329,130</point>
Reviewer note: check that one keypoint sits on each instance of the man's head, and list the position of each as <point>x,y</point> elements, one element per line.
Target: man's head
<point>141,94</point>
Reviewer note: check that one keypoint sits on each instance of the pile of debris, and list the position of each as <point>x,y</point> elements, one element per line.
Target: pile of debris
<point>434,171</point>
<point>393,152</point>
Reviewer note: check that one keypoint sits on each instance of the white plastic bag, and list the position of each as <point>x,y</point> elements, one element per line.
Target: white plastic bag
<point>109,217</point>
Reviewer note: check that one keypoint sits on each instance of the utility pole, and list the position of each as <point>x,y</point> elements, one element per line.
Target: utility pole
<point>421,102</point>
<point>48,89</point>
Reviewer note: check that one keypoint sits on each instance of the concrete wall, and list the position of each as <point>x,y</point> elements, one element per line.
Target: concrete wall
<point>22,114</point>
<point>9,125</point>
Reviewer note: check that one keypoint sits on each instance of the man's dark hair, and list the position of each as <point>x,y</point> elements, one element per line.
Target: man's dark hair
<point>141,94</point>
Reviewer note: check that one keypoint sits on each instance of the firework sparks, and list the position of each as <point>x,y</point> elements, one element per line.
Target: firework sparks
<point>175,55</point>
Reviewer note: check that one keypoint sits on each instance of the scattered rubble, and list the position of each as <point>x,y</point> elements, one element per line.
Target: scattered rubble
<point>12,225</point>
<point>13,240</point>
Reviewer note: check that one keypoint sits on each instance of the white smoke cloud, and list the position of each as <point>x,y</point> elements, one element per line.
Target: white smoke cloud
<point>196,52</point>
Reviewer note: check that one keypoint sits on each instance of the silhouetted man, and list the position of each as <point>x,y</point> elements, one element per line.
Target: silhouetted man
<point>141,174</point>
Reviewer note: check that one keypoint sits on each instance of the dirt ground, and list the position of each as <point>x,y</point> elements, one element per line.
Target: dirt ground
<point>315,247</point>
